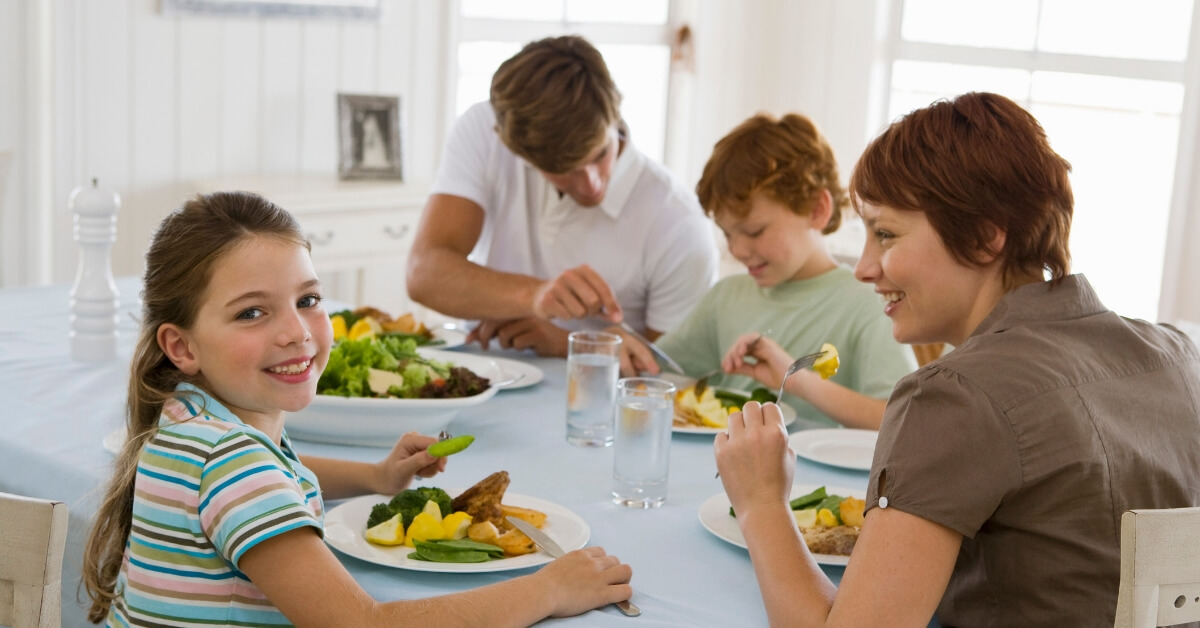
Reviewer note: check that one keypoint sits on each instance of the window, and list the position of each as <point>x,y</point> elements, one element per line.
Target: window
<point>1106,80</point>
<point>633,35</point>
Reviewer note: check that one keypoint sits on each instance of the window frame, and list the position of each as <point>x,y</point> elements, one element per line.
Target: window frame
<point>1183,212</point>
<point>679,12</point>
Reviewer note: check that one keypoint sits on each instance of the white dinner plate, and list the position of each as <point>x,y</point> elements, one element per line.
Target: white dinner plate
<point>114,441</point>
<point>714,516</point>
<point>789,416</point>
<point>346,523</point>
<point>512,368</point>
<point>838,447</point>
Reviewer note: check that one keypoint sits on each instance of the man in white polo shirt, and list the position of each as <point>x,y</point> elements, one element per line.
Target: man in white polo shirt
<point>544,217</point>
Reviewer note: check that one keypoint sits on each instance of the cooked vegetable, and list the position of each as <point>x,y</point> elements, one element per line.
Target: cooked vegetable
<point>455,551</point>
<point>450,446</point>
<point>390,366</point>
<point>411,502</point>
<point>808,501</point>
<point>827,365</point>
<point>760,394</point>
<point>379,514</point>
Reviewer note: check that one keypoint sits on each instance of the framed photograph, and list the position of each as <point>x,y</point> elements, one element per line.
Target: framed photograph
<point>369,137</point>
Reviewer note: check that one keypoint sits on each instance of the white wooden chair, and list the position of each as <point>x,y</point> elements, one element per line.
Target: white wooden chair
<point>1160,568</point>
<point>33,535</point>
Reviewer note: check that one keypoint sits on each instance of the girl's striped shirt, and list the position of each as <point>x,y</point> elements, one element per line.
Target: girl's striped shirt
<point>208,488</point>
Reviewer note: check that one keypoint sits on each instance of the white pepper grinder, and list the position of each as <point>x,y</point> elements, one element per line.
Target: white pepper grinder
<point>94,298</point>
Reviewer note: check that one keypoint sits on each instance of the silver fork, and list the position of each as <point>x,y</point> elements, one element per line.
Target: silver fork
<point>802,362</point>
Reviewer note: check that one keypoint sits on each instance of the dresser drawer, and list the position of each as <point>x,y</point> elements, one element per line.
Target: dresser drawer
<point>360,236</point>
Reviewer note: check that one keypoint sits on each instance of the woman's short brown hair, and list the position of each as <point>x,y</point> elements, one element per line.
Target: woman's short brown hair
<point>786,159</point>
<point>971,163</point>
<point>554,102</point>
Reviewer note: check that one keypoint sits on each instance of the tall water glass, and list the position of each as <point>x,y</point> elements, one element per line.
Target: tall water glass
<point>641,456</point>
<point>593,364</point>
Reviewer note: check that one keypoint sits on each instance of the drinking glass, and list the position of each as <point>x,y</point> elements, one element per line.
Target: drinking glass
<point>641,456</point>
<point>593,364</point>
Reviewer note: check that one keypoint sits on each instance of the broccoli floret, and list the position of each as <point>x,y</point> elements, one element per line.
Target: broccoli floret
<point>410,503</point>
<point>379,514</point>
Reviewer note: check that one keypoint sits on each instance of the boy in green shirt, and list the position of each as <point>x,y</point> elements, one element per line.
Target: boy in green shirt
<point>772,187</point>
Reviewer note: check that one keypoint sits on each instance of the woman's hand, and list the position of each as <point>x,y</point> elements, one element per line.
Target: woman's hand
<point>771,359</point>
<point>584,579</point>
<point>407,459</point>
<point>754,459</point>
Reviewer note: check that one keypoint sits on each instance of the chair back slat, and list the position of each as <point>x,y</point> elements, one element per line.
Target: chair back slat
<point>1160,568</point>
<point>33,536</point>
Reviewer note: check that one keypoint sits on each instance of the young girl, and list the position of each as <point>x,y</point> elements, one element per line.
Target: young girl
<point>209,504</point>
<point>1002,469</point>
<point>772,187</point>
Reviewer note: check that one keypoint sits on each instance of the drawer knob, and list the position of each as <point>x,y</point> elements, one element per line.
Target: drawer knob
<point>321,239</point>
<point>396,233</point>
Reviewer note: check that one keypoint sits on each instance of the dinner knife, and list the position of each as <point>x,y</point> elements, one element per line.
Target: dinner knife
<point>548,545</point>
<point>662,355</point>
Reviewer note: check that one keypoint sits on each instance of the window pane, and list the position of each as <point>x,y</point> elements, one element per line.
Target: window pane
<point>620,11</point>
<point>641,73</point>
<point>1147,29</point>
<point>1011,24</point>
<point>1123,160</point>
<point>546,10</point>
<point>477,62</point>
<point>915,84</point>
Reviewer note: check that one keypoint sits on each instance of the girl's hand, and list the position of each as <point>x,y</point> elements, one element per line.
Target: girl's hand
<point>771,363</point>
<point>585,579</point>
<point>407,459</point>
<point>754,459</point>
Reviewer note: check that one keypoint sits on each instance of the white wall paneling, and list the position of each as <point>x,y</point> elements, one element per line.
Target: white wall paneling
<point>150,103</point>
<point>12,115</point>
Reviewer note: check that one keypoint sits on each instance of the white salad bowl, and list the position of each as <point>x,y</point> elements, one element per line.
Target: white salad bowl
<point>379,422</point>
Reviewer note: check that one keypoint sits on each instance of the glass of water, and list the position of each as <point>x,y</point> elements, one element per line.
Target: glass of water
<point>641,456</point>
<point>593,364</point>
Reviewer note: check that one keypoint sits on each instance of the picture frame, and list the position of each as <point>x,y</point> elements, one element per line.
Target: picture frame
<point>369,137</point>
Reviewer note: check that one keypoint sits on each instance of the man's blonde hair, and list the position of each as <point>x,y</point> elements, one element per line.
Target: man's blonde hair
<point>554,102</point>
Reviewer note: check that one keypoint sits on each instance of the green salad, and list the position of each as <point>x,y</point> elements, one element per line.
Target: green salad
<point>389,366</point>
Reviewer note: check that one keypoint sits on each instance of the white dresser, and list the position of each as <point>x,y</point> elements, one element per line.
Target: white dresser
<point>361,232</point>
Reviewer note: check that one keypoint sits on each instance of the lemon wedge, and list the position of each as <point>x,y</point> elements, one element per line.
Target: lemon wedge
<point>712,413</point>
<point>455,525</point>
<point>339,327</point>
<point>827,364</point>
<point>390,532</point>
<point>365,327</point>
<point>805,519</point>
<point>433,510</point>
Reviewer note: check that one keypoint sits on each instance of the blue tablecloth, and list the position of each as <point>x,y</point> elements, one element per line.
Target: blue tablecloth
<point>57,411</point>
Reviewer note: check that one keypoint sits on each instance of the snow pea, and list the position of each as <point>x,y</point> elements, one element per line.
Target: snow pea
<point>450,446</point>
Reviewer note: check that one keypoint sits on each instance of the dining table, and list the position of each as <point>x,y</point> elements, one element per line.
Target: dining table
<point>57,412</point>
